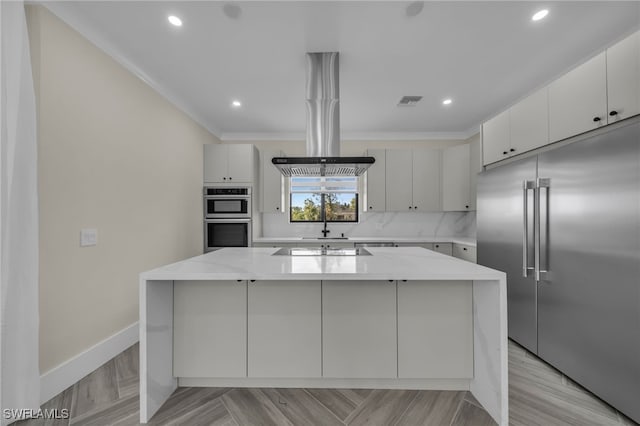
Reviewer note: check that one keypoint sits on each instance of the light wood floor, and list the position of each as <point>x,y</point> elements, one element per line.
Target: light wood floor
<point>538,395</point>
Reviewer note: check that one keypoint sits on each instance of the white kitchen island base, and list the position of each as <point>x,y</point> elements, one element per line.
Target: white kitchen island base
<point>488,378</point>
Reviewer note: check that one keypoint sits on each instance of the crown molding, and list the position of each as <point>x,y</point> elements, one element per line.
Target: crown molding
<point>353,136</point>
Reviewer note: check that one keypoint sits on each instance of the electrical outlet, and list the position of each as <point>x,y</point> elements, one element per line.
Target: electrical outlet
<point>88,237</point>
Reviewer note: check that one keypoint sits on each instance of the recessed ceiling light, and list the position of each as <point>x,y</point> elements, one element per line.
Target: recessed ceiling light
<point>236,104</point>
<point>539,15</point>
<point>174,20</point>
<point>447,102</point>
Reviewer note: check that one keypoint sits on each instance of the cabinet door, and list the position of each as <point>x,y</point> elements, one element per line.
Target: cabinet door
<point>270,183</point>
<point>241,163</point>
<point>426,179</point>
<point>399,180</point>
<point>444,248</point>
<point>284,337</point>
<point>578,100</point>
<point>529,121</point>
<point>376,185</point>
<point>435,329</point>
<point>623,78</point>
<point>475,167</point>
<point>359,329</point>
<point>215,163</point>
<point>464,252</point>
<point>455,178</point>
<point>422,245</point>
<point>325,244</point>
<point>496,138</point>
<point>210,328</point>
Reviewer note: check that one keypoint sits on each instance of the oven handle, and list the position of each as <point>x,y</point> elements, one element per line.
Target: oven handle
<point>228,220</point>
<point>227,197</point>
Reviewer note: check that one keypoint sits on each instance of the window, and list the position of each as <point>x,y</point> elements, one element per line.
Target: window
<point>314,198</point>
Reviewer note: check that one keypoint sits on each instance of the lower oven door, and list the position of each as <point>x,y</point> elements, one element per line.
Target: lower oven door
<point>219,233</point>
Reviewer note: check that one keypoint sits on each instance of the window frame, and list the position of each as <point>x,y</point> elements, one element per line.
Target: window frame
<point>322,194</point>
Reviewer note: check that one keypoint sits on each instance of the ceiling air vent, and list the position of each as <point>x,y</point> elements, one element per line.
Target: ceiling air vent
<point>409,101</point>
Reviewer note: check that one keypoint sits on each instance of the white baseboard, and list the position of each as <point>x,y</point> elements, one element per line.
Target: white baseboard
<point>69,372</point>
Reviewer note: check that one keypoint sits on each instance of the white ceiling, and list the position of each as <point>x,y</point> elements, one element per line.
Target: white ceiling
<point>483,55</point>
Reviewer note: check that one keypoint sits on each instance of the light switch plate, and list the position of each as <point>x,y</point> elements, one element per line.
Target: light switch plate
<point>88,237</point>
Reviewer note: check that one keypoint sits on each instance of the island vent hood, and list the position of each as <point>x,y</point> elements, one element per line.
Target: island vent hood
<point>323,125</point>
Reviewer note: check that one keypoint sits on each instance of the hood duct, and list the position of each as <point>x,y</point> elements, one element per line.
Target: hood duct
<point>323,125</point>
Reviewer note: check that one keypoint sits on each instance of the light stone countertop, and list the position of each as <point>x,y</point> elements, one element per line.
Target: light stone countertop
<point>458,240</point>
<point>385,263</point>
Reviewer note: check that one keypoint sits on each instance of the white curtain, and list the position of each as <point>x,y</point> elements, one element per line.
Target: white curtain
<point>19,375</point>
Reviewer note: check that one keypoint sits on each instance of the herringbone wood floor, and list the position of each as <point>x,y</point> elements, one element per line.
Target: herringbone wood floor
<point>538,395</point>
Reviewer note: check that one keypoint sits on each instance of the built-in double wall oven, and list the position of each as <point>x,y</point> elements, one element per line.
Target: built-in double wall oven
<point>227,217</point>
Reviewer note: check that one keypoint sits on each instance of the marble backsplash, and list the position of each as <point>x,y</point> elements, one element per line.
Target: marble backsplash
<point>387,224</point>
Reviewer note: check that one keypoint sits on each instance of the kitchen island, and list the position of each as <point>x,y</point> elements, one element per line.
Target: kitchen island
<point>399,318</point>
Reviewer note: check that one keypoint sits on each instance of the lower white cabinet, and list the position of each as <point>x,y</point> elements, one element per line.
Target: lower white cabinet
<point>423,245</point>
<point>359,329</point>
<point>465,252</point>
<point>328,244</point>
<point>435,329</point>
<point>444,248</point>
<point>284,329</point>
<point>210,328</point>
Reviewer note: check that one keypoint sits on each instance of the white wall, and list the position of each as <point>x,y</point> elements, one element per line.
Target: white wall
<point>116,156</point>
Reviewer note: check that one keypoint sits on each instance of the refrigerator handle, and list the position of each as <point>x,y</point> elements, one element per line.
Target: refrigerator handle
<point>540,183</point>
<point>526,186</point>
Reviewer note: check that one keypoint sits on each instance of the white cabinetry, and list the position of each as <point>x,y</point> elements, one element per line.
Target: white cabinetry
<point>496,138</point>
<point>232,163</point>
<point>376,185</point>
<point>523,127</point>
<point>456,190</point>
<point>413,179</point>
<point>444,248</point>
<point>422,245</point>
<point>284,329</point>
<point>324,244</point>
<point>435,329</point>
<point>359,329</point>
<point>529,123</point>
<point>475,167</point>
<point>578,100</point>
<point>210,328</point>
<point>623,79</point>
<point>270,183</point>
<point>399,180</point>
<point>465,252</point>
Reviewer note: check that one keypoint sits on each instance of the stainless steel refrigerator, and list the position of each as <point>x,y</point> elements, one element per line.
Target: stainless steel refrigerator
<point>565,227</point>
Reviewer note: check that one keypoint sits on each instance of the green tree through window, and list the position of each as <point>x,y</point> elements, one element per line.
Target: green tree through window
<point>314,198</point>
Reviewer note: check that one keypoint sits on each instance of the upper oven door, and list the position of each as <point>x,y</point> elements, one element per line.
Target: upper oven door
<point>227,206</point>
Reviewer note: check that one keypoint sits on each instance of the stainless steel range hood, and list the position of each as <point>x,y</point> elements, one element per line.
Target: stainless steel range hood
<point>323,125</point>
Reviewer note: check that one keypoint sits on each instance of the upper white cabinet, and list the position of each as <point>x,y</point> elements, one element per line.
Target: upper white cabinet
<point>399,180</point>
<point>427,165</point>
<point>413,179</point>
<point>523,127</point>
<point>456,179</point>
<point>529,123</point>
<point>475,167</point>
<point>601,91</point>
<point>376,185</point>
<point>578,100</point>
<point>623,79</point>
<point>496,138</point>
<point>233,163</point>
<point>270,183</point>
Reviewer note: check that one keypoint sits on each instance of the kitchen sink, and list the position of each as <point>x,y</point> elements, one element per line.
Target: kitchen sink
<point>298,251</point>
